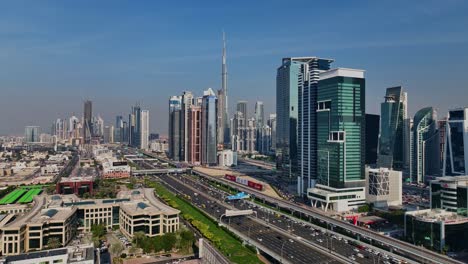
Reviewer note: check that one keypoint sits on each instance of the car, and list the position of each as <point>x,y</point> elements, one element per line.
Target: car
<point>259,239</point>
<point>290,240</point>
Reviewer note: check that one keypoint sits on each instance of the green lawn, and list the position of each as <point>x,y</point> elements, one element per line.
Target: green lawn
<point>227,243</point>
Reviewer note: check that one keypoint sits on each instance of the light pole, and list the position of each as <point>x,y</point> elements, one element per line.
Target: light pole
<point>282,246</point>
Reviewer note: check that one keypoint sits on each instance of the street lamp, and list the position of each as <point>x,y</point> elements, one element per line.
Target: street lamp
<point>282,246</point>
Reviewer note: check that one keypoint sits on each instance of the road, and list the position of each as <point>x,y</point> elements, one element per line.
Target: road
<point>416,253</point>
<point>276,241</point>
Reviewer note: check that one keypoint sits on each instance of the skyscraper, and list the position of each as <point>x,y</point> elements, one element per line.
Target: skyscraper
<point>238,132</point>
<point>272,124</point>
<point>372,138</point>
<point>224,87</point>
<point>87,121</point>
<point>144,143</point>
<point>175,115</point>
<point>118,130</point>
<point>391,145</point>
<point>259,123</point>
<point>31,134</point>
<point>242,107</point>
<point>455,161</point>
<point>296,100</point>
<point>425,140</point>
<point>108,134</point>
<point>135,127</point>
<point>209,120</point>
<point>340,136</point>
<point>194,138</point>
<point>187,101</point>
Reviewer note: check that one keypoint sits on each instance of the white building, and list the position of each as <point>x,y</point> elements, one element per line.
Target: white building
<point>383,187</point>
<point>227,158</point>
<point>336,199</point>
<point>144,129</point>
<point>82,254</point>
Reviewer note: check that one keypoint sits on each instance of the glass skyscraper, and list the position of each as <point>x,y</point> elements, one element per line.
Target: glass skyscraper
<point>209,118</point>
<point>175,135</point>
<point>296,92</point>
<point>391,143</point>
<point>31,134</point>
<point>455,160</point>
<point>425,152</point>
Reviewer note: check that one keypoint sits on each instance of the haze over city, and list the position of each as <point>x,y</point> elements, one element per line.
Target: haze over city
<point>55,55</point>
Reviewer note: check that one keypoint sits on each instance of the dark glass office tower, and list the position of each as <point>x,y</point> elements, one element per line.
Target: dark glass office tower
<point>209,118</point>
<point>391,145</point>
<point>87,124</point>
<point>372,138</point>
<point>455,160</point>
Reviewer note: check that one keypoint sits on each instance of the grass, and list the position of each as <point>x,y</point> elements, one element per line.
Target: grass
<point>225,241</point>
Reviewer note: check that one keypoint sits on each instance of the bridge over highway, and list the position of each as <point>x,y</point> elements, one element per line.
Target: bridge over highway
<point>160,171</point>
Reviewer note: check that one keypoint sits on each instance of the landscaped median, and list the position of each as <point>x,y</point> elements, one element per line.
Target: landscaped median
<point>225,241</point>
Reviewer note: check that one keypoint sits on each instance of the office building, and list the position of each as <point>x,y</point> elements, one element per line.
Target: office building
<point>224,103</point>
<point>209,118</point>
<point>135,127</point>
<point>372,138</point>
<point>60,129</point>
<point>31,134</point>
<point>251,136</point>
<point>118,129</point>
<point>340,140</point>
<point>87,122</point>
<point>272,124</point>
<point>227,158</point>
<point>74,130</point>
<point>238,132</point>
<point>98,126</point>
<point>80,254</point>
<point>455,160</point>
<point>259,123</point>
<point>296,91</point>
<point>144,142</point>
<point>108,135</point>
<point>187,100</point>
<point>175,115</point>
<point>391,144</point>
<point>194,137</point>
<point>242,107</point>
<point>384,187</point>
<point>75,185</point>
<point>425,159</point>
<point>450,193</point>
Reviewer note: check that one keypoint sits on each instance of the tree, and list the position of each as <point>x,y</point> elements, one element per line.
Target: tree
<point>116,249</point>
<point>138,238</point>
<point>168,241</point>
<point>363,208</point>
<point>53,242</point>
<point>98,230</point>
<point>186,239</point>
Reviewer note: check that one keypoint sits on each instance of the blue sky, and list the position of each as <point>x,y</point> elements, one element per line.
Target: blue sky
<point>55,54</point>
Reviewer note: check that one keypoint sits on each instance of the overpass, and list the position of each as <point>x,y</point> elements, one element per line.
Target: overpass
<point>160,171</point>
<point>420,254</point>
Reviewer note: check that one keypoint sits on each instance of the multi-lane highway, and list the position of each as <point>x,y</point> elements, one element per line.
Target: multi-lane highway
<point>288,247</point>
<point>415,253</point>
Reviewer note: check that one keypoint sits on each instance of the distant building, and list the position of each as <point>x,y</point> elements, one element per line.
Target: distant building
<point>153,136</point>
<point>144,143</point>
<point>393,113</point>
<point>455,160</point>
<point>75,185</point>
<point>272,124</point>
<point>227,158</point>
<point>187,101</point>
<point>372,138</point>
<point>31,134</point>
<point>87,122</point>
<point>384,187</point>
<point>119,129</point>
<point>209,117</point>
<point>112,169</point>
<point>175,118</point>
<point>108,134</point>
<point>135,126</point>
<point>194,136</point>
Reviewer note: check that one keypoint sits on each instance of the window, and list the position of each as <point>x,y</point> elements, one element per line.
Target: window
<point>336,136</point>
<point>324,106</point>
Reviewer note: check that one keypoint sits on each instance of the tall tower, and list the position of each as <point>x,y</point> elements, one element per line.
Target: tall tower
<point>225,111</point>
<point>87,126</point>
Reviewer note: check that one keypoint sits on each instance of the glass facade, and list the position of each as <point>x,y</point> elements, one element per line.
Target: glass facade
<point>341,157</point>
<point>455,160</point>
<point>209,128</point>
<point>393,113</point>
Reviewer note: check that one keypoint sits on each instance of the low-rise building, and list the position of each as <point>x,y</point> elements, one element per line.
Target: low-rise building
<point>227,158</point>
<point>83,254</point>
<point>383,187</point>
<point>450,193</point>
<point>75,185</point>
<point>336,199</point>
<point>112,168</point>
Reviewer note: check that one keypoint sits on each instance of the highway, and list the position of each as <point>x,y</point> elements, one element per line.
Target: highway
<point>289,247</point>
<point>416,253</point>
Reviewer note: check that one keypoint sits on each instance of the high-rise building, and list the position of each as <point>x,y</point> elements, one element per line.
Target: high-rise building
<point>224,87</point>
<point>393,113</point>
<point>125,132</point>
<point>272,124</point>
<point>260,123</point>
<point>187,101</point>
<point>31,134</point>
<point>118,130</point>
<point>60,129</point>
<point>372,138</point>
<point>175,116</point>
<point>144,143</point>
<point>194,138</point>
<point>340,138</point>
<point>87,121</point>
<point>108,134</point>
<point>242,107</point>
<point>296,100</point>
<point>209,118</point>
<point>135,127</point>
<point>98,126</point>
<point>425,140</point>
<point>455,161</point>
<point>251,136</point>
<point>73,127</point>
<point>238,132</point>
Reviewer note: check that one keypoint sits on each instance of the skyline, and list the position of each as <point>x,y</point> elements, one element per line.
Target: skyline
<point>154,51</point>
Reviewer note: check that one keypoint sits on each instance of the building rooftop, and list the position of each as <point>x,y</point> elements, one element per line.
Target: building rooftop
<point>342,72</point>
<point>77,179</point>
<point>438,215</point>
<point>459,180</point>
